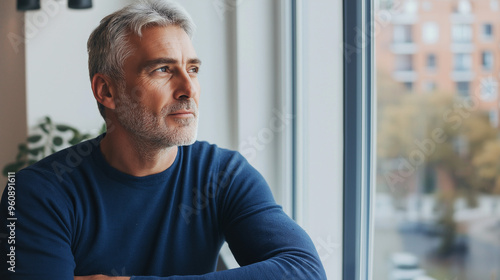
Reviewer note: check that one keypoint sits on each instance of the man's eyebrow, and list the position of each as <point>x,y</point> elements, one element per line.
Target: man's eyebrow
<point>194,61</point>
<point>148,65</point>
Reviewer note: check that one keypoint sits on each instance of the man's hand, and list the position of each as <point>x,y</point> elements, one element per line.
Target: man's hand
<point>101,277</point>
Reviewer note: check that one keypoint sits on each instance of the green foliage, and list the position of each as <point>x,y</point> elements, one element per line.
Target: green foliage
<point>46,139</point>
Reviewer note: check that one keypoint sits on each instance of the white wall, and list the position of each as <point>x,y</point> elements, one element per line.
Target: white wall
<point>56,62</point>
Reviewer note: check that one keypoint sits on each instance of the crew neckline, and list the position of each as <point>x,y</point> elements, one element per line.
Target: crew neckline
<point>131,180</point>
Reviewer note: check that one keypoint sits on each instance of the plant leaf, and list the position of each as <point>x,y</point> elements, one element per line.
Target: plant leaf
<point>34,138</point>
<point>42,126</point>
<point>36,151</point>
<point>22,147</point>
<point>63,128</point>
<point>21,155</point>
<point>57,141</point>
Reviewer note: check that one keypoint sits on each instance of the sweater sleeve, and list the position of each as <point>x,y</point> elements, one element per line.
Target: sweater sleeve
<point>264,240</point>
<point>35,233</point>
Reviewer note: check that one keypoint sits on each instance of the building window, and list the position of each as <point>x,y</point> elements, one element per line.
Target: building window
<point>411,7</point>
<point>431,62</point>
<point>404,62</point>
<point>386,4</point>
<point>487,60</point>
<point>464,7</point>
<point>494,5</point>
<point>403,34</point>
<point>408,86</point>
<point>463,89</point>
<point>427,6</point>
<point>461,33</point>
<point>493,114</point>
<point>462,62</point>
<point>487,31</point>
<point>430,32</point>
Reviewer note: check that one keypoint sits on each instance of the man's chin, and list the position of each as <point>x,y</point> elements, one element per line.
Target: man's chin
<point>186,138</point>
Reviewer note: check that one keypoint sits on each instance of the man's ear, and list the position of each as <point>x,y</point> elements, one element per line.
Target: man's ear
<point>104,90</point>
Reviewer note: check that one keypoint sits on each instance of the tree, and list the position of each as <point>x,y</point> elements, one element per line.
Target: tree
<point>435,135</point>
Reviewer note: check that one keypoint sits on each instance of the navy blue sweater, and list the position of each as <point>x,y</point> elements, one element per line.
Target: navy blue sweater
<point>74,214</point>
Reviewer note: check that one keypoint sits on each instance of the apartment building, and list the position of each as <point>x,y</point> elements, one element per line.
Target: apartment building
<point>446,46</point>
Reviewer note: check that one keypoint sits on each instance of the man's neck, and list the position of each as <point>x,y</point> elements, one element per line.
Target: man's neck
<point>135,157</point>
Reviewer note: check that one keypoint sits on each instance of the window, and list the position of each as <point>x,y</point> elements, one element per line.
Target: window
<point>426,6</point>
<point>462,62</point>
<point>463,89</point>
<point>408,86</point>
<point>487,31</point>
<point>494,5</point>
<point>487,60</point>
<point>494,118</point>
<point>431,62</point>
<point>430,32</point>
<point>403,34</point>
<point>461,33</point>
<point>435,157</point>
<point>464,7</point>
<point>404,62</point>
<point>411,6</point>
<point>386,4</point>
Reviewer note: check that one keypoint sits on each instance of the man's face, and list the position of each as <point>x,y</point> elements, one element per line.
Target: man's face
<point>159,102</point>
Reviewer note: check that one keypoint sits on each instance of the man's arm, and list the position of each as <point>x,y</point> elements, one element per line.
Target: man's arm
<point>101,277</point>
<point>41,237</point>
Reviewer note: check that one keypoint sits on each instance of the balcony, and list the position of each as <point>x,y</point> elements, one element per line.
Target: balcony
<point>404,18</point>
<point>404,75</point>
<point>462,75</point>
<point>462,18</point>
<point>403,48</point>
<point>462,47</point>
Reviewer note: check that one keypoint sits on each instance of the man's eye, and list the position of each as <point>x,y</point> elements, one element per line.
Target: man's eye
<point>162,69</point>
<point>194,70</point>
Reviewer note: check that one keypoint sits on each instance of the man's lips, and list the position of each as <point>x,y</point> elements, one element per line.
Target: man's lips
<point>182,113</point>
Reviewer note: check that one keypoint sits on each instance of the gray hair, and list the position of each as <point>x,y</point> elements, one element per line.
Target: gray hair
<point>108,46</point>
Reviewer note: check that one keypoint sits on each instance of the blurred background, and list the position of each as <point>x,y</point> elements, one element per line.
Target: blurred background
<point>437,205</point>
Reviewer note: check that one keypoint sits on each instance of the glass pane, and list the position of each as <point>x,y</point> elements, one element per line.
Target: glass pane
<point>437,204</point>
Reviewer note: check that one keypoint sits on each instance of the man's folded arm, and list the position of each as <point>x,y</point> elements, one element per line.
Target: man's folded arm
<point>267,245</point>
<point>42,235</point>
<point>265,242</point>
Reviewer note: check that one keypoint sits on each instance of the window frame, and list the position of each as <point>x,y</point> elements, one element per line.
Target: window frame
<point>358,140</point>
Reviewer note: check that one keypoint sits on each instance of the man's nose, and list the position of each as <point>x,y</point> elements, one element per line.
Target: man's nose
<point>184,88</point>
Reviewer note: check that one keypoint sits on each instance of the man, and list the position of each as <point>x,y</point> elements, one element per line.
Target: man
<point>145,200</point>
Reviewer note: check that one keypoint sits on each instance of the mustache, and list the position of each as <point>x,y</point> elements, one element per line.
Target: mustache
<point>183,104</point>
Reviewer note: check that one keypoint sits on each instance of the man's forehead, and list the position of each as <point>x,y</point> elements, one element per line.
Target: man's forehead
<point>164,41</point>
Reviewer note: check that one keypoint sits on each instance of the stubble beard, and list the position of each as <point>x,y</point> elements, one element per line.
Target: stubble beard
<point>150,130</point>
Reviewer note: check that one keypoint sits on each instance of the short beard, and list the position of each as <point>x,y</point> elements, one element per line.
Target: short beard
<point>150,130</point>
